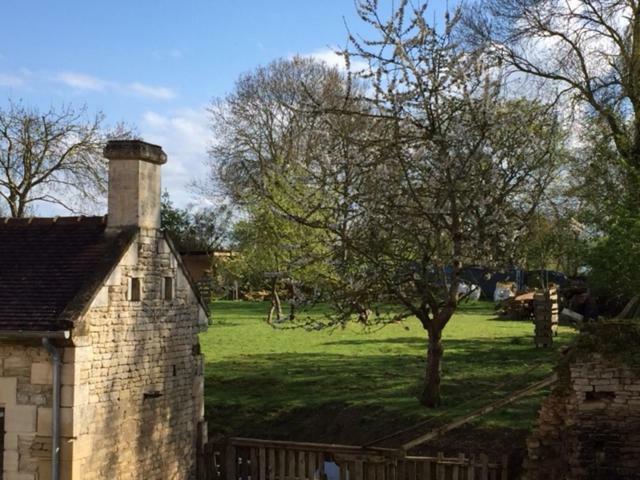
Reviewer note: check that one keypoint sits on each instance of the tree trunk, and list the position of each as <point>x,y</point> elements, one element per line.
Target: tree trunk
<point>431,393</point>
<point>276,306</point>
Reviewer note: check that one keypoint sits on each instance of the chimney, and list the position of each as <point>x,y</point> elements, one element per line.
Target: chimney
<point>134,183</point>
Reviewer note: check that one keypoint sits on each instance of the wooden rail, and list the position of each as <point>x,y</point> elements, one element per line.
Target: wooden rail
<point>481,411</point>
<point>254,459</point>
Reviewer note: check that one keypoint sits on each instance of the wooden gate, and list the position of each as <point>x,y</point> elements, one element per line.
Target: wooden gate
<point>253,459</point>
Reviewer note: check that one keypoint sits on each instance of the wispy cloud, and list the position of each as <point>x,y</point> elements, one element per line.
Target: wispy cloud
<point>83,81</point>
<point>186,137</point>
<point>9,80</point>
<point>151,91</point>
<point>172,53</point>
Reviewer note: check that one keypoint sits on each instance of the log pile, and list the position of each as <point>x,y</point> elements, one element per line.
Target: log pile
<point>545,316</point>
<point>519,307</point>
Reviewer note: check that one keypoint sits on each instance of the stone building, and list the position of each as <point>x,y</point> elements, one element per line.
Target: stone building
<point>101,375</point>
<point>589,426</point>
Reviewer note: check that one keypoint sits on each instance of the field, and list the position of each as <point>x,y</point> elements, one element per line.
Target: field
<point>350,386</point>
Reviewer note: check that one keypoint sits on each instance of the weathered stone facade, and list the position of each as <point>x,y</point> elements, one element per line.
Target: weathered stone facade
<point>25,387</point>
<point>132,380</point>
<point>589,427</point>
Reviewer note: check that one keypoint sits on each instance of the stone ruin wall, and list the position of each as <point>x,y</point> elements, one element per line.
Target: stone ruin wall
<point>590,427</point>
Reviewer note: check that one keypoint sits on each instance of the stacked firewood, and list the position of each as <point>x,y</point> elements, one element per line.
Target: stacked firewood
<point>545,316</point>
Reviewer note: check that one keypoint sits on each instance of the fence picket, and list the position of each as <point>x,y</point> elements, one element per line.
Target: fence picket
<point>271,468</point>
<point>302,465</point>
<point>311,466</point>
<point>505,467</point>
<point>291,469</point>
<point>253,464</point>
<point>484,465</point>
<point>230,462</point>
<point>441,468</point>
<point>282,465</point>
<point>261,467</point>
<point>426,470</point>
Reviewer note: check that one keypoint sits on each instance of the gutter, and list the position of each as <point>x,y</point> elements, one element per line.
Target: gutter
<point>55,410</point>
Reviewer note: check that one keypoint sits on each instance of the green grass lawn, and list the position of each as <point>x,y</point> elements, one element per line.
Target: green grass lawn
<point>352,386</point>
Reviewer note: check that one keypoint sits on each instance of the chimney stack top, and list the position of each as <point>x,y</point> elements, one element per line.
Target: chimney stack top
<point>134,150</point>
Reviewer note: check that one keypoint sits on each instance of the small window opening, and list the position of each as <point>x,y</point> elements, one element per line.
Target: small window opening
<point>597,396</point>
<point>168,288</point>
<point>134,289</point>
<point>175,371</point>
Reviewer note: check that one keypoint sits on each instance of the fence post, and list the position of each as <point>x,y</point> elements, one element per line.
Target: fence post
<point>230,462</point>
<point>441,468</point>
<point>471,469</point>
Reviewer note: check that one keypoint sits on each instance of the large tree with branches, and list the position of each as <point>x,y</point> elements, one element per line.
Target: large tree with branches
<point>587,52</point>
<point>52,156</point>
<point>409,169</point>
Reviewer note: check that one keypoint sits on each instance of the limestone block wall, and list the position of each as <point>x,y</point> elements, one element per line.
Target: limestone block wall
<point>590,428</point>
<point>138,373</point>
<point>132,394</point>
<point>25,391</point>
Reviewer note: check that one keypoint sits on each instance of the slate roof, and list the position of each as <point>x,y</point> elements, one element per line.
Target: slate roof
<point>50,268</point>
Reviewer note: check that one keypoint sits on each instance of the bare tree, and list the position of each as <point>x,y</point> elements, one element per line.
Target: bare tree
<point>52,156</point>
<point>587,51</point>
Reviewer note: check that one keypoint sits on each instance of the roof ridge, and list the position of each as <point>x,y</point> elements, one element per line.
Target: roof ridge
<point>65,220</point>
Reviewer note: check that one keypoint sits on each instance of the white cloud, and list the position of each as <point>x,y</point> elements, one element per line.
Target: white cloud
<point>331,58</point>
<point>185,137</point>
<point>82,81</point>
<point>8,80</point>
<point>151,91</point>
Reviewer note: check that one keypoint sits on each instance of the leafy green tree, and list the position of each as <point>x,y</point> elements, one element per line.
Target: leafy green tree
<point>614,259</point>
<point>195,229</point>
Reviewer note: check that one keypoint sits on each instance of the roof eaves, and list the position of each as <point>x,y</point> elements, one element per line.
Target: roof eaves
<point>81,302</point>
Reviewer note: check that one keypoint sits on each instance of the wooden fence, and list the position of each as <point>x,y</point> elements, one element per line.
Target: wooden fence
<point>252,459</point>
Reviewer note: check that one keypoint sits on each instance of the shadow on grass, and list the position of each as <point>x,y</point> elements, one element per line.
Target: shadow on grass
<point>355,398</point>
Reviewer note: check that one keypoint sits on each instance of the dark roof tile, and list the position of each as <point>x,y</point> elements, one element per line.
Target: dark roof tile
<point>51,267</point>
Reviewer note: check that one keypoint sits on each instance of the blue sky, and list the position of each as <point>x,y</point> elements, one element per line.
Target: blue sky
<point>157,64</point>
